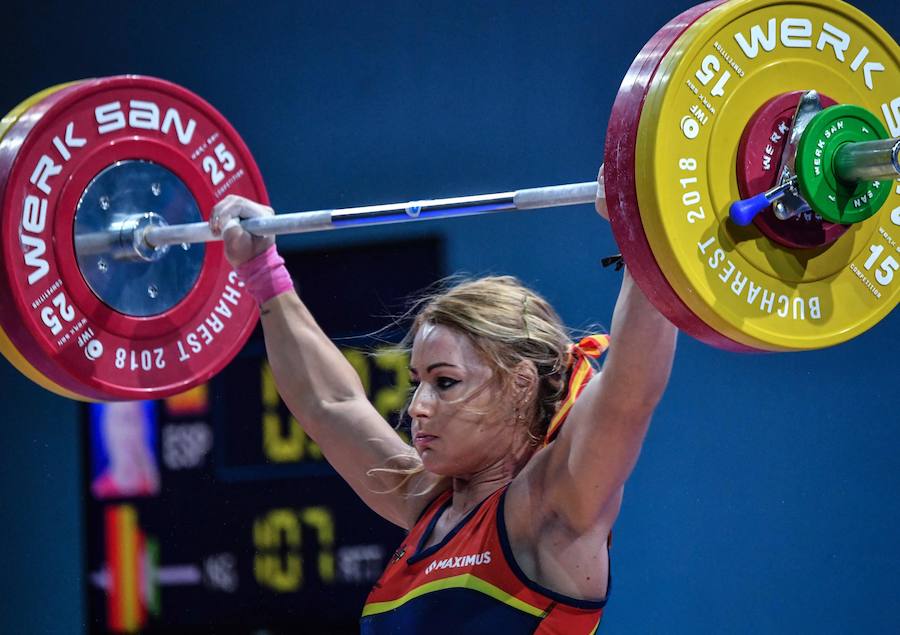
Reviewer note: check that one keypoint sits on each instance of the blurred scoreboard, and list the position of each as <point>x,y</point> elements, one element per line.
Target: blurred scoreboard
<point>213,512</point>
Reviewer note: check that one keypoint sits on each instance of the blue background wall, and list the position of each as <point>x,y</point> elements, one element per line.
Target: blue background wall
<point>766,496</point>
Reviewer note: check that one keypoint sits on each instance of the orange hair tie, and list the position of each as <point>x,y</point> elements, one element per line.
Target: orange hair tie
<point>580,373</point>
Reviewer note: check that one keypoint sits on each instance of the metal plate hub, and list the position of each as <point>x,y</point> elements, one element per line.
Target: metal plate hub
<point>132,277</point>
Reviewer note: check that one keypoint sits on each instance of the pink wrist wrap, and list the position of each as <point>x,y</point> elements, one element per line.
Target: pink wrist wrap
<point>265,275</point>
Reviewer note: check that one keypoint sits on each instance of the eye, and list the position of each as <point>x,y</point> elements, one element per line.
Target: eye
<point>445,383</point>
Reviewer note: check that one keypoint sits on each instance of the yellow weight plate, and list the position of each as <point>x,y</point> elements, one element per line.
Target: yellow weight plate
<point>724,67</point>
<point>7,348</point>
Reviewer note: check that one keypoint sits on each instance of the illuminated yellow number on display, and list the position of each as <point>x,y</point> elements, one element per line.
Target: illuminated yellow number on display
<point>278,563</point>
<point>393,398</point>
<point>286,442</point>
<point>277,537</point>
<point>280,445</point>
<point>321,521</point>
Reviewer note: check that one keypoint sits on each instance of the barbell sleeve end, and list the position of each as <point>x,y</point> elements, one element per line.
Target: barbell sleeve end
<point>868,160</point>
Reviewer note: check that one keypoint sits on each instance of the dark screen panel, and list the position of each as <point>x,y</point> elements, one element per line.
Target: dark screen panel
<point>213,512</point>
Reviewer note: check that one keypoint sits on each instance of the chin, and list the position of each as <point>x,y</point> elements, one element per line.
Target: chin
<point>434,464</point>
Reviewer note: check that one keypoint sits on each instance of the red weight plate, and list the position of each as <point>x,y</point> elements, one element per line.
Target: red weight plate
<point>620,164</point>
<point>9,350</point>
<point>53,317</point>
<point>757,171</point>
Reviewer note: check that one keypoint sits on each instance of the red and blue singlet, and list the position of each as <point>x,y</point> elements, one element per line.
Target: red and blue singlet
<point>468,583</point>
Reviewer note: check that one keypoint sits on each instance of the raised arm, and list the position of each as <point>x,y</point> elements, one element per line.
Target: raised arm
<point>581,474</point>
<point>322,389</point>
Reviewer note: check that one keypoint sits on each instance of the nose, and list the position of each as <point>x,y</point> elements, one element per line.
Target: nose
<point>421,406</point>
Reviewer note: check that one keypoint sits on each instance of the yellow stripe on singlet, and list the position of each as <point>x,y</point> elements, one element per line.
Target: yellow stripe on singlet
<point>464,581</point>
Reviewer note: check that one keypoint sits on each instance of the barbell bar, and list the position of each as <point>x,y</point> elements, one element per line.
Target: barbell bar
<point>133,238</point>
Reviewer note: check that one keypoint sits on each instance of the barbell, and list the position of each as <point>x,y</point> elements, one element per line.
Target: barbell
<point>751,175</point>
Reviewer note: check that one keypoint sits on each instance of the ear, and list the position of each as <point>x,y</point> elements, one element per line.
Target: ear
<point>525,378</point>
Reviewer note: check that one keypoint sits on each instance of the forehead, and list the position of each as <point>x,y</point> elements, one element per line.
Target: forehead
<point>438,343</point>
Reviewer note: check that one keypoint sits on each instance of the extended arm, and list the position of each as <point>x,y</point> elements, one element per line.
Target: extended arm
<point>598,447</point>
<point>322,389</point>
<point>327,397</point>
<point>580,475</point>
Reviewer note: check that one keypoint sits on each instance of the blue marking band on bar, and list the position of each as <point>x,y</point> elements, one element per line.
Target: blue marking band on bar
<point>424,214</point>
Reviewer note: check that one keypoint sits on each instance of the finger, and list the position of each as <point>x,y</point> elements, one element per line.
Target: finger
<point>223,211</point>
<point>600,201</point>
<point>229,209</point>
<point>231,228</point>
<point>252,209</point>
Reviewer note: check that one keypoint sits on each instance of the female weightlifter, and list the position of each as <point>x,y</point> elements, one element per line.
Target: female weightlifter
<point>507,534</point>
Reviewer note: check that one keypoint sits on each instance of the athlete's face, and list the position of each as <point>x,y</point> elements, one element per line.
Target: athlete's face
<point>461,423</point>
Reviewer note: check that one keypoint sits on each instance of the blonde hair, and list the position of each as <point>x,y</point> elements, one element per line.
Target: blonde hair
<point>508,324</point>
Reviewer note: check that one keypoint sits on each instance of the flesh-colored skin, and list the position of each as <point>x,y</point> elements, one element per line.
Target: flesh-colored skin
<point>562,500</point>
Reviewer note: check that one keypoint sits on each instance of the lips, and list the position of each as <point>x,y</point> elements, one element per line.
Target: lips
<point>421,439</point>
